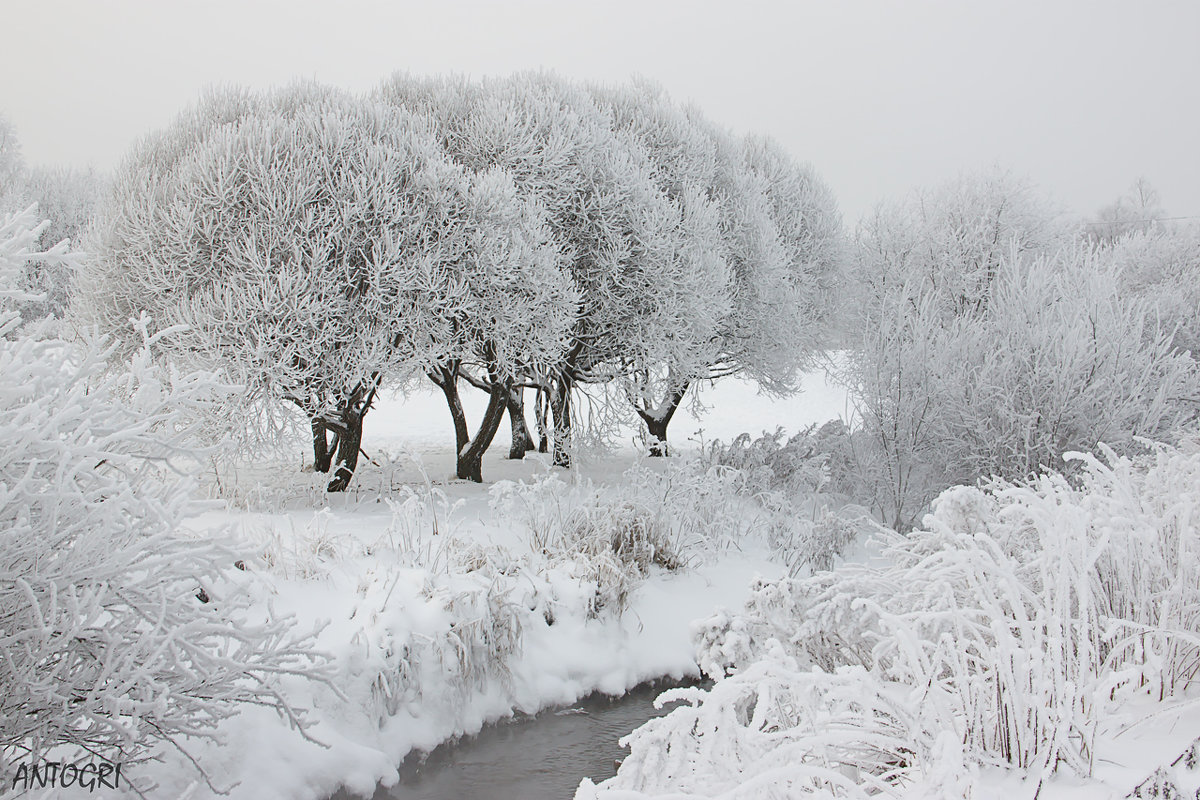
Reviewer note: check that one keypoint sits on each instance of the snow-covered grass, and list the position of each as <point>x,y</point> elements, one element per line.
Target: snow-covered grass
<point>1023,630</point>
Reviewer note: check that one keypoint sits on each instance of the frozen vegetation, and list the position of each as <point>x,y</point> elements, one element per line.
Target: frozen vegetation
<point>1023,628</point>
<point>253,383</point>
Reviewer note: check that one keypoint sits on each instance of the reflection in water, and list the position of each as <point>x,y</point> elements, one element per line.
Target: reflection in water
<point>531,758</point>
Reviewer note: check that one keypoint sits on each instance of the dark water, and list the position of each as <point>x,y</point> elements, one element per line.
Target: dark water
<point>534,758</point>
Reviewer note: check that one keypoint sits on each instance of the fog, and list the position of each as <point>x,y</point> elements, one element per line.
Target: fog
<point>1082,98</point>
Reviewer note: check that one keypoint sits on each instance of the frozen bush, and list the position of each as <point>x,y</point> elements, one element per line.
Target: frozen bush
<point>774,458</point>
<point>774,731</point>
<point>434,619</point>
<point>116,631</point>
<point>67,198</point>
<point>603,539</point>
<point>1000,634</point>
<point>615,535</point>
<point>804,483</point>
<point>476,636</point>
<point>22,256</point>
<point>1162,266</point>
<point>672,515</point>
<point>118,634</point>
<point>1061,362</point>
<point>993,340</point>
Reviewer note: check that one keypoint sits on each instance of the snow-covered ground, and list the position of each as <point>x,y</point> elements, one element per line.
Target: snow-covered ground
<point>441,602</point>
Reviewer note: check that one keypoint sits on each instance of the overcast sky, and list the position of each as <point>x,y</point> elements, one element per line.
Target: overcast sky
<point>1082,97</point>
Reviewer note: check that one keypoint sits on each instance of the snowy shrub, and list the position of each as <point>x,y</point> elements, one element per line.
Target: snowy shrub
<point>1041,355</point>
<point>22,255</point>
<point>672,515</point>
<point>774,731</point>
<point>606,541</point>
<point>803,483</point>
<point>1000,634</point>
<point>813,460</point>
<point>614,535</point>
<point>477,634</point>
<point>1162,266</point>
<point>434,617</point>
<point>67,198</point>
<point>1061,362</point>
<point>117,633</point>
<point>12,167</point>
<point>614,547</point>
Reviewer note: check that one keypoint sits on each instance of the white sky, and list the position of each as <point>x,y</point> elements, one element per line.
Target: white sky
<point>881,97</point>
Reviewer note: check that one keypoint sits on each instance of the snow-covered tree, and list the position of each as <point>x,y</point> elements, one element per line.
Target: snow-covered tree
<point>517,313</point>
<point>952,239</point>
<point>611,223</point>
<point>694,293</point>
<point>67,198</point>
<point>12,166</point>
<point>779,236</point>
<point>300,238</point>
<point>1062,361</point>
<point>106,649</point>
<point>696,255</point>
<point>790,312</point>
<point>916,266</point>
<point>1137,211</point>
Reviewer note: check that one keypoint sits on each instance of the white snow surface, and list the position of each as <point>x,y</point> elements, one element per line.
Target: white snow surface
<point>407,615</point>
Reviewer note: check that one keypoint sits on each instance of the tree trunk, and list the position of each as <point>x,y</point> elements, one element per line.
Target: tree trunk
<point>469,452</point>
<point>560,407</point>
<point>541,405</point>
<point>522,442</point>
<point>470,459</point>
<point>656,424</point>
<point>657,428</point>
<point>349,443</point>
<point>349,437</point>
<point>447,380</point>
<point>322,452</point>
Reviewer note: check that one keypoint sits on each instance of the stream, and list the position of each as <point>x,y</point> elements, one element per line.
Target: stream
<point>543,757</point>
